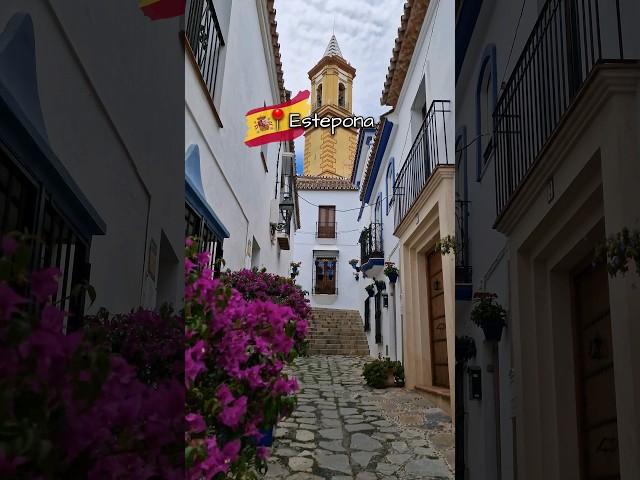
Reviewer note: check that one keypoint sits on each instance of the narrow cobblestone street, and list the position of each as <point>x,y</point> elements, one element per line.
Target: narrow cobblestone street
<point>343,429</point>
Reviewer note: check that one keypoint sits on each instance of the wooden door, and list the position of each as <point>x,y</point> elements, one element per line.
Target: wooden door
<point>437,321</point>
<point>596,396</point>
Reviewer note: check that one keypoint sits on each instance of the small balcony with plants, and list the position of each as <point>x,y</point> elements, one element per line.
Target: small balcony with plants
<point>371,250</point>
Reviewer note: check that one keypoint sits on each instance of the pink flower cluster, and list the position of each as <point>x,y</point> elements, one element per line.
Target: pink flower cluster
<point>72,408</point>
<point>239,341</point>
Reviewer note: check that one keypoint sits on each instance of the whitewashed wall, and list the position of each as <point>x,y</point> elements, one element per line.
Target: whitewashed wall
<point>345,243</point>
<point>114,133</point>
<point>234,178</point>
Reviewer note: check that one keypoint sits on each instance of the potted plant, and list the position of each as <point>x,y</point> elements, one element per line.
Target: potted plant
<point>354,264</point>
<point>357,275</point>
<point>391,271</point>
<point>446,245</point>
<point>380,285</point>
<point>294,269</point>
<point>370,289</point>
<point>382,373</point>
<point>619,250</point>
<point>489,315</point>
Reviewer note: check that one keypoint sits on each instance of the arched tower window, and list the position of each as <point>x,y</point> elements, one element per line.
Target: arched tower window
<point>341,96</point>
<point>319,95</point>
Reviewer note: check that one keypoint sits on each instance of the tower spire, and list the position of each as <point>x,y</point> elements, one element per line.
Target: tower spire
<point>333,48</point>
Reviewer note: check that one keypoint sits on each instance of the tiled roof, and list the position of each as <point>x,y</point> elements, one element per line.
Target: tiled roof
<point>324,183</point>
<point>276,47</point>
<point>408,33</point>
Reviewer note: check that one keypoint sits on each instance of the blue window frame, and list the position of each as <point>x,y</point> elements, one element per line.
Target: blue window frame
<point>486,98</point>
<point>390,182</point>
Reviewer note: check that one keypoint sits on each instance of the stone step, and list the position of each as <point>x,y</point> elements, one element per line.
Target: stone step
<point>337,332</point>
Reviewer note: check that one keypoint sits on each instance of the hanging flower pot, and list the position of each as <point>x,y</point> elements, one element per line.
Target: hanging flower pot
<point>465,349</point>
<point>354,264</point>
<point>267,437</point>
<point>391,271</point>
<point>489,315</point>
<point>370,289</point>
<point>381,286</point>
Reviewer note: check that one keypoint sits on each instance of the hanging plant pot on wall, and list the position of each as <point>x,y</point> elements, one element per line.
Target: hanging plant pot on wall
<point>391,271</point>
<point>370,289</point>
<point>381,286</point>
<point>489,315</point>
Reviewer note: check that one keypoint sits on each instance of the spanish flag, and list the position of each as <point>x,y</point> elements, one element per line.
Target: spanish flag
<point>271,124</point>
<point>160,9</point>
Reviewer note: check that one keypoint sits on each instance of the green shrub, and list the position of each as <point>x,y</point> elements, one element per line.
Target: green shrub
<point>376,372</point>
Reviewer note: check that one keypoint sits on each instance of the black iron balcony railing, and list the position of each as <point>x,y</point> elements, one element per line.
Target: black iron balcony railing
<point>326,229</point>
<point>463,264</point>
<point>371,243</point>
<point>205,40</point>
<point>568,40</point>
<point>429,150</point>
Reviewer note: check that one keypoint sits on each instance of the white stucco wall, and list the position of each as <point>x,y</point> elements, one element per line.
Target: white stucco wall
<point>112,125</point>
<point>236,184</point>
<point>345,243</point>
<point>430,76</point>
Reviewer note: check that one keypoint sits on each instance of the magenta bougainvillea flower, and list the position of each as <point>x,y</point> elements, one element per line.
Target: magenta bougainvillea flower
<point>241,330</point>
<point>44,283</point>
<point>81,394</point>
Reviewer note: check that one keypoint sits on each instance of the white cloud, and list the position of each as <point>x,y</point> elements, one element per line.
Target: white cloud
<point>365,30</point>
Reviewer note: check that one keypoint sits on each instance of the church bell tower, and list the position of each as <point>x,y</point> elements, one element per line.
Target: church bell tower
<point>331,96</point>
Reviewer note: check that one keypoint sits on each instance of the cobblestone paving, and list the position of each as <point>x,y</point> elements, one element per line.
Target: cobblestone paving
<point>343,429</point>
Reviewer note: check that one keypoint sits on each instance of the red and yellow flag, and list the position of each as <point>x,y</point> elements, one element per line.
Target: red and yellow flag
<point>159,9</point>
<point>271,124</point>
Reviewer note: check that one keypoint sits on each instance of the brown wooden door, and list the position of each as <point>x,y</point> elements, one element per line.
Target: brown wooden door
<point>596,396</point>
<point>437,321</point>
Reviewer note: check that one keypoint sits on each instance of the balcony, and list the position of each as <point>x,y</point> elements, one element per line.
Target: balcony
<point>371,250</point>
<point>428,151</point>
<point>569,40</point>
<point>326,229</point>
<point>204,38</point>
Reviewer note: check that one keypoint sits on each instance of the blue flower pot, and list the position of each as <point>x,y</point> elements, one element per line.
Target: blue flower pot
<point>267,437</point>
<point>393,277</point>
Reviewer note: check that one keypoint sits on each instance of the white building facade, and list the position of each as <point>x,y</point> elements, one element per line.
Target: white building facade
<point>407,200</point>
<point>327,240</point>
<point>544,175</point>
<point>247,198</point>
<point>90,157</point>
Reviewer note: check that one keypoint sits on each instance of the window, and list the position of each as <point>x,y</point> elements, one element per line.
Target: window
<point>325,275</point>
<point>204,33</point>
<point>319,96</point>
<point>486,93</point>
<point>341,95</point>
<point>26,206</point>
<point>377,212</point>
<point>390,182</point>
<point>196,226</point>
<point>326,221</point>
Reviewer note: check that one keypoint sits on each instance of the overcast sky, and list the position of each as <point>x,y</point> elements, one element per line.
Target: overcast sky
<point>366,32</point>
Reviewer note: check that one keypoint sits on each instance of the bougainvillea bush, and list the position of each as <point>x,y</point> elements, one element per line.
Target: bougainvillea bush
<point>259,285</point>
<point>152,342</point>
<point>237,346</point>
<point>70,407</point>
